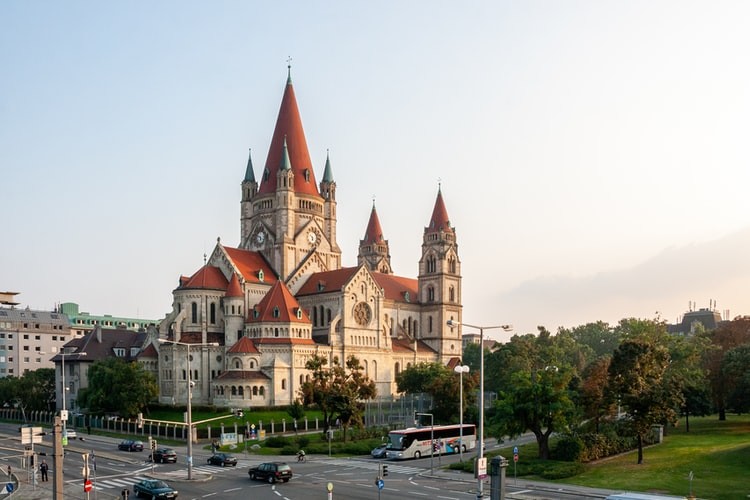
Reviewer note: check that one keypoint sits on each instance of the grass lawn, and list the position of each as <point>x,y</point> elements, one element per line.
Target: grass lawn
<point>718,454</point>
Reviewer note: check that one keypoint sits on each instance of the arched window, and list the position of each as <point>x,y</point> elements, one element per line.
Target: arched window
<point>241,391</point>
<point>234,391</point>
<point>430,294</point>
<point>283,384</point>
<point>212,314</point>
<point>262,391</point>
<point>237,364</point>
<point>374,370</point>
<point>429,324</point>
<point>452,265</point>
<point>452,294</point>
<point>255,390</point>
<point>194,312</point>
<point>276,312</point>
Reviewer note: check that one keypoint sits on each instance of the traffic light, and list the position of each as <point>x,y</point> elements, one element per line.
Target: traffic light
<point>384,470</point>
<point>153,445</point>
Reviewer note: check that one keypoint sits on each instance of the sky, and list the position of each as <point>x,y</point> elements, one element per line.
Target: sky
<point>593,155</point>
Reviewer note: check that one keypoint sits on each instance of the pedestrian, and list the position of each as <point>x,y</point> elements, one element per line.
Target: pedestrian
<point>44,468</point>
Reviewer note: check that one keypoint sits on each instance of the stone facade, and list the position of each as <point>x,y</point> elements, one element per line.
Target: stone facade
<point>243,326</point>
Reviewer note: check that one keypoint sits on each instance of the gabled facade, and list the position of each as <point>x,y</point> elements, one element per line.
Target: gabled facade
<point>254,314</point>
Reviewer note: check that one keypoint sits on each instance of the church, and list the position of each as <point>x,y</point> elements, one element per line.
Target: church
<point>243,326</point>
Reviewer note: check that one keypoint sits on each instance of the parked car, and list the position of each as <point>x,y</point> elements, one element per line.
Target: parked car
<point>154,489</point>
<point>271,472</point>
<point>130,445</point>
<point>379,452</point>
<point>164,455</point>
<point>222,459</point>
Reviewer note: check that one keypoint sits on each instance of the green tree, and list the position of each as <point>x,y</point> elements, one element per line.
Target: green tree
<point>443,384</point>
<point>338,390</point>
<point>736,371</point>
<point>36,389</point>
<point>601,338</point>
<point>593,391</point>
<point>537,397</point>
<point>118,386</point>
<point>636,376</point>
<point>725,338</point>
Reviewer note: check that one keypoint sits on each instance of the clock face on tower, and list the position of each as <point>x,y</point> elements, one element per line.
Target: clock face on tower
<point>312,237</point>
<point>260,237</point>
<point>362,313</point>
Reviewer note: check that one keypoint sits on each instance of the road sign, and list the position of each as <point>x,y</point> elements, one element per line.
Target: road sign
<point>9,487</point>
<point>515,457</point>
<point>515,450</point>
<point>481,468</point>
<point>87,485</point>
<point>380,483</point>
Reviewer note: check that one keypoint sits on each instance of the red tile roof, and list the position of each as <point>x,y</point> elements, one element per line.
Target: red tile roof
<point>234,289</point>
<point>278,306</point>
<point>374,233</point>
<point>249,263</point>
<point>327,281</point>
<point>243,346</point>
<point>406,345</point>
<point>289,127</point>
<point>207,277</point>
<point>149,352</point>
<point>394,287</point>
<point>439,220</point>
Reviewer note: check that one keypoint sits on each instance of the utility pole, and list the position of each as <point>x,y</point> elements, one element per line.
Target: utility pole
<point>57,484</point>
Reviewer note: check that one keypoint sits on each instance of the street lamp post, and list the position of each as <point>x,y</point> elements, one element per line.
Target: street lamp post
<point>190,385</point>
<point>461,369</point>
<point>64,412</point>
<point>480,427</point>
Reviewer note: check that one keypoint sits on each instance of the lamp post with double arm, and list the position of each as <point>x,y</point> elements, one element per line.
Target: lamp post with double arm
<point>461,369</point>
<point>480,427</point>
<point>190,385</point>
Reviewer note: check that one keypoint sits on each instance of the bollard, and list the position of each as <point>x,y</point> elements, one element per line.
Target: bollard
<point>497,478</point>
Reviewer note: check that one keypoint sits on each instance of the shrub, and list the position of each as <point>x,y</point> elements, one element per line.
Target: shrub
<point>277,442</point>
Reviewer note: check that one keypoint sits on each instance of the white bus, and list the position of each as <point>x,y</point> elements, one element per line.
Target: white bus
<point>418,442</point>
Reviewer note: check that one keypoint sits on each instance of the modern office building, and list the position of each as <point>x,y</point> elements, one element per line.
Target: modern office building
<point>30,338</point>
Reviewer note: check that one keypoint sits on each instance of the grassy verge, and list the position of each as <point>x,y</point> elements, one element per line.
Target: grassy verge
<point>718,454</point>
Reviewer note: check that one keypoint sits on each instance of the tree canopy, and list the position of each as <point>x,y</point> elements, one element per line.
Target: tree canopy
<point>338,390</point>
<point>118,386</point>
<point>443,384</point>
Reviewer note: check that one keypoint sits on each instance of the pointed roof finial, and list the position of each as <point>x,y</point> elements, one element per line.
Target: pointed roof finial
<point>328,172</point>
<point>204,258</point>
<point>289,70</point>
<point>286,163</point>
<point>249,174</point>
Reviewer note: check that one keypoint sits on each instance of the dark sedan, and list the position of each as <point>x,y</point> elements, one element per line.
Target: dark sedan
<point>271,472</point>
<point>222,459</point>
<point>130,445</point>
<point>154,489</point>
<point>164,455</point>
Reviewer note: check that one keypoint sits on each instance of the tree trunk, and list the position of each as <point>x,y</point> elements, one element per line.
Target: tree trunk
<point>640,449</point>
<point>687,421</point>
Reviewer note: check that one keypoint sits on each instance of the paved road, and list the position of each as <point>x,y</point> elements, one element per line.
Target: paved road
<point>352,478</point>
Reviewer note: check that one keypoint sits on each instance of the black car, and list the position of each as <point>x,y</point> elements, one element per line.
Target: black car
<point>164,455</point>
<point>271,472</point>
<point>130,445</point>
<point>154,489</point>
<point>222,459</point>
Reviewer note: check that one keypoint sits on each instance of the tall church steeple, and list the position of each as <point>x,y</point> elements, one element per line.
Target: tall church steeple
<point>373,249</point>
<point>284,216</point>
<point>439,281</point>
